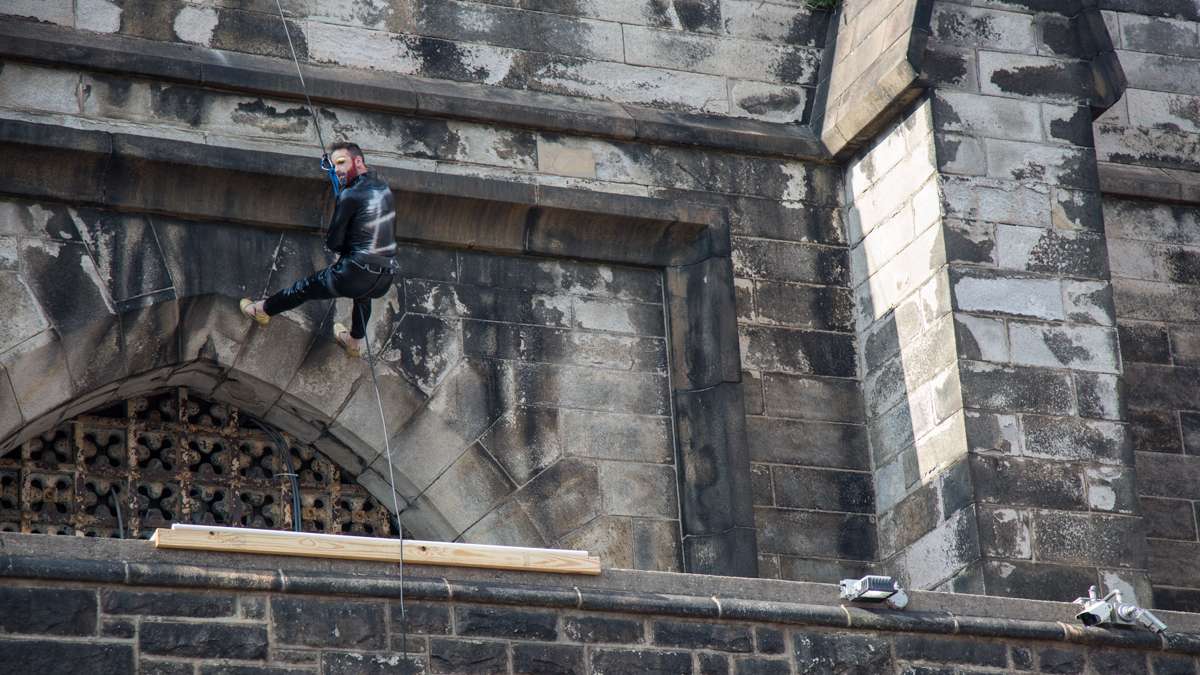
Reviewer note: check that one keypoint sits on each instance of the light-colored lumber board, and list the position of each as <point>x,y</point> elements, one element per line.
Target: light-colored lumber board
<point>279,542</point>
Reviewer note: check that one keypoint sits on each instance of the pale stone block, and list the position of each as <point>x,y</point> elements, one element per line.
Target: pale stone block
<point>43,89</point>
<point>936,556</point>
<point>101,16</point>
<point>1089,302</point>
<point>942,446</point>
<point>60,12</point>
<point>1018,296</point>
<point>1091,348</point>
<point>997,201</point>
<point>988,116</point>
<point>564,160</point>
<point>982,339</point>
<point>196,25</point>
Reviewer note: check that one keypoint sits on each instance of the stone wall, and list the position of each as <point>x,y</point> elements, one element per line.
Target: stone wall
<point>722,57</point>
<point>120,607</point>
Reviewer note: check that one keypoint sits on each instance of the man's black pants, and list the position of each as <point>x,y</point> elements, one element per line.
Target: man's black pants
<point>343,279</point>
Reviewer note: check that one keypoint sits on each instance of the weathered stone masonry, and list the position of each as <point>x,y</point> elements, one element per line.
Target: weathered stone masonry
<point>708,286</point>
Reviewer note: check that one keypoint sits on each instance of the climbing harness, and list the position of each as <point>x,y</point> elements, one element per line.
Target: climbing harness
<point>327,167</point>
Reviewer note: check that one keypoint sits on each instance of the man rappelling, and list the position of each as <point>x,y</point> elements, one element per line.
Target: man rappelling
<point>362,233</point>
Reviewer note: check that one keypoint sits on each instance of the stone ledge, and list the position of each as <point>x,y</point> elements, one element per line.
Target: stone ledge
<point>1147,182</point>
<point>137,563</point>
<point>401,94</point>
<point>205,182</point>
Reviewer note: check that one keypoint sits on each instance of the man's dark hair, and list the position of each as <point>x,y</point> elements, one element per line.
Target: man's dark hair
<point>352,148</point>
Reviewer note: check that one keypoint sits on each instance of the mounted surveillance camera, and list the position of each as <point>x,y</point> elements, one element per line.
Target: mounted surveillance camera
<point>1112,611</point>
<point>874,589</point>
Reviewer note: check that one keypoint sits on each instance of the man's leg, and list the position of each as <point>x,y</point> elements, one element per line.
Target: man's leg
<point>317,286</point>
<point>362,314</point>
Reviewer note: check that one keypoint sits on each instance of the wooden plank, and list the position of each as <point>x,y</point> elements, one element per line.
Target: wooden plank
<point>279,542</point>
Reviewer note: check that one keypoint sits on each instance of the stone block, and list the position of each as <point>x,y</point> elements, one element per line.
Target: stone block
<point>1161,387</point>
<point>506,622</point>
<point>1189,424</point>
<point>816,569</point>
<point>807,443</point>
<point>1035,77</point>
<point>1160,35</point>
<point>350,663</point>
<point>1005,533</point>
<point>985,28</point>
<point>701,303</point>
<point>1151,301</point>
<point>1167,475</point>
<point>815,398</point>
<point>810,533</point>
<point>693,635</point>
<point>448,656</point>
<point>625,83</point>
<point>789,261</point>
<point>562,498</point>
<point>203,640</point>
<point>559,659</point>
<point>505,525</point>
<point>1089,302</point>
<point>1144,342</point>
<point>1020,482</point>
<point>1037,581</point>
<point>322,623</point>
<point>962,155</point>
<point>951,650</point>
<point>55,656</point>
<point>591,389</point>
<point>1001,201</point>
<point>981,339</point>
<point>779,104</point>
<point>619,317</point>
<point>634,489</point>
<point>470,487</point>
<point>46,611</point>
<point>797,351</point>
<point>358,424</point>
<point>207,605</point>
<point>37,370</point>
<point>818,308</point>
<point>1100,396</point>
<point>1034,249</point>
<point>494,304</point>
<point>1072,439</point>
<point>621,661</point>
<point>1168,518</point>
<point>820,652</point>
<point>781,64</point>
<point>1016,389</point>
<point>1114,661</point>
<point>713,460</point>
<point>590,628</point>
<point>1111,489</point>
<point>823,490</point>
<point>982,292</point>
<point>1057,346</point>
<point>1116,541</point>
<point>989,117</point>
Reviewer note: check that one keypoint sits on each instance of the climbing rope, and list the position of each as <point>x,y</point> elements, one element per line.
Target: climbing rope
<point>327,166</point>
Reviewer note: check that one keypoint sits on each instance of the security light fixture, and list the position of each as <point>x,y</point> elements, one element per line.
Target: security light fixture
<point>874,589</point>
<point>1112,611</point>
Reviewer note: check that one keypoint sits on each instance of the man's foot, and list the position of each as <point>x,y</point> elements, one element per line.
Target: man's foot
<point>352,346</point>
<point>255,311</point>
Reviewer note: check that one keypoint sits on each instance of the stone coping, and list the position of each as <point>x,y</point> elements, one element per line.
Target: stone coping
<point>400,94</point>
<point>207,182</point>
<point>138,563</point>
<point>1148,182</point>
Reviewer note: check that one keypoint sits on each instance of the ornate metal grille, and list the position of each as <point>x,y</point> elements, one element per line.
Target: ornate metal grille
<point>174,458</point>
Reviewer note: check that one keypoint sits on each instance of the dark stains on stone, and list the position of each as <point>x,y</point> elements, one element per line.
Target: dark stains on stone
<point>1064,349</point>
<point>946,67</point>
<point>1178,9</point>
<point>956,26</point>
<point>1183,267</point>
<point>1084,254</point>
<point>1077,130</point>
<point>116,90</point>
<point>944,114</point>
<point>796,68</point>
<point>179,103</point>
<point>1186,107</point>
<point>1032,171</point>
<point>1056,80</point>
<point>268,118</point>
<point>962,248</point>
<point>445,60</point>
<point>763,104</point>
<point>150,20</point>
<point>809,30</point>
<point>1059,35</point>
<point>693,15</point>
<point>256,33</point>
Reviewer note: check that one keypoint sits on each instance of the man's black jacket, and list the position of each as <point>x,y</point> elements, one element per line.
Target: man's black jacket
<point>364,222</point>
